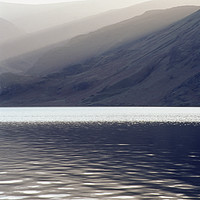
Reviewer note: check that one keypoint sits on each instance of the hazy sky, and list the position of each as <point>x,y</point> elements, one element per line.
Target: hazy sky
<point>52,1</point>
<point>36,1</point>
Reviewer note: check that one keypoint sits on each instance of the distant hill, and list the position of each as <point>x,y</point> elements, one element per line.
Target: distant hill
<point>33,17</point>
<point>8,30</point>
<point>83,47</point>
<point>160,69</point>
<point>56,28</point>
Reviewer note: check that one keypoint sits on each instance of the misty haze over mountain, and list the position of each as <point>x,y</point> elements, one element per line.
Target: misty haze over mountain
<point>9,30</point>
<point>63,30</point>
<point>42,39</point>
<point>88,45</point>
<point>33,17</point>
<point>99,56</point>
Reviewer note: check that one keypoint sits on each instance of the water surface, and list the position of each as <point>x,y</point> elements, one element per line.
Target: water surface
<point>50,157</point>
<point>100,114</point>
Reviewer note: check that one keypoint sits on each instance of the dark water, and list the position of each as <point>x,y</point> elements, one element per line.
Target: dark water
<point>99,161</point>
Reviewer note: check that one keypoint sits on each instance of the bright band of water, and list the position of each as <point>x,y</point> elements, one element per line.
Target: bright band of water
<point>99,161</point>
<point>100,114</point>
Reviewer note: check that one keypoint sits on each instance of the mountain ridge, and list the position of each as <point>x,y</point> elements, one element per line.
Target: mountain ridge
<point>88,24</point>
<point>146,72</point>
<point>28,15</point>
<point>100,41</point>
<point>9,30</point>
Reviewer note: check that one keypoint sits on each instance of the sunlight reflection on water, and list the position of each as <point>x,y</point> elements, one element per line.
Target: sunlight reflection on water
<point>101,114</point>
<point>125,159</point>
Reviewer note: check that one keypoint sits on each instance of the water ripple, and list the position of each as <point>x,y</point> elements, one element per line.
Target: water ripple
<point>99,161</point>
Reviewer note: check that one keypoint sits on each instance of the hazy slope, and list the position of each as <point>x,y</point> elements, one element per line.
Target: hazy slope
<point>69,16</point>
<point>8,30</point>
<point>37,17</point>
<point>160,69</point>
<point>83,47</point>
<point>140,8</point>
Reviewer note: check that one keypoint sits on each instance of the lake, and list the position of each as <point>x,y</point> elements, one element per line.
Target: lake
<point>99,153</point>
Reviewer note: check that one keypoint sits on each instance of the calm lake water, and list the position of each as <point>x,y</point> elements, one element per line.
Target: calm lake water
<point>99,153</point>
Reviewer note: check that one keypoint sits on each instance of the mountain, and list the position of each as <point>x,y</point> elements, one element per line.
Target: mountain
<point>141,8</point>
<point>8,30</point>
<point>9,81</point>
<point>161,69</point>
<point>83,47</point>
<point>33,17</point>
<point>49,34</point>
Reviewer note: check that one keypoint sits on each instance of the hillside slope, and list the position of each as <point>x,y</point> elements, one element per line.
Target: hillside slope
<point>81,48</point>
<point>8,30</point>
<point>162,69</point>
<point>66,31</point>
<point>35,17</point>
